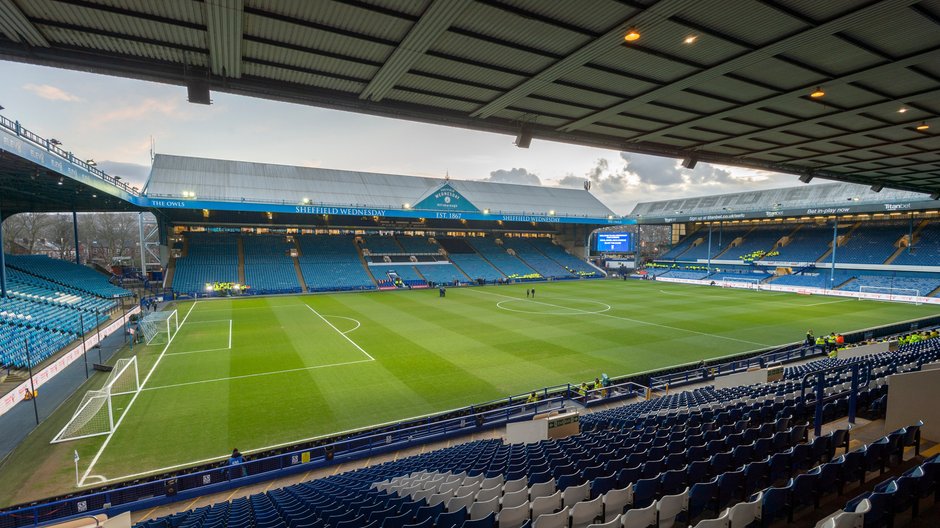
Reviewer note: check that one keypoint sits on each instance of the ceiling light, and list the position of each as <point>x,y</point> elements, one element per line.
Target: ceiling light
<point>632,35</point>
<point>690,39</point>
<point>818,93</point>
<point>923,126</point>
<point>902,109</point>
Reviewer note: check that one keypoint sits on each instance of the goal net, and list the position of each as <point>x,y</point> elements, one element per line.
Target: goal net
<point>910,295</point>
<point>743,282</point>
<point>159,327</point>
<point>95,414</point>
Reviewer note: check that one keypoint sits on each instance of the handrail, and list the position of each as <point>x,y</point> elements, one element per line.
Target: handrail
<point>49,146</point>
<point>856,367</point>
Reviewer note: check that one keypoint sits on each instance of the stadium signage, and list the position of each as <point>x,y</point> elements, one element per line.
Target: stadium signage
<point>527,218</point>
<point>828,211</point>
<point>445,198</point>
<point>168,203</point>
<point>346,211</point>
<point>898,207</point>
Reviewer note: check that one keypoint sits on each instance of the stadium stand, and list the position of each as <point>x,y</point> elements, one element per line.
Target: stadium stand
<point>543,265</point>
<point>269,267</point>
<point>926,248</point>
<point>721,239</point>
<point>332,263</point>
<point>818,278</point>
<point>415,244</point>
<point>68,274</point>
<point>509,265</point>
<point>756,240</point>
<point>212,257</point>
<point>381,244</point>
<point>466,258</point>
<point>734,453</point>
<point>47,303</point>
<point>872,244</point>
<point>923,284</point>
<point>442,273</point>
<point>566,260</point>
<point>807,244</point>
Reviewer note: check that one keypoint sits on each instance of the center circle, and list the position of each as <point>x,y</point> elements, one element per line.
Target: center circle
<point>553,307</point>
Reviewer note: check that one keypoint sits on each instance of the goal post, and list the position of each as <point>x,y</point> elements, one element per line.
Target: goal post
<point>910,295</point>
<point>159,327</point>
<point>746,282</point>
<point>95,414</point>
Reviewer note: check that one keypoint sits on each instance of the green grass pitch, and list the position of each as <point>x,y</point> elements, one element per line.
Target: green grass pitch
<point>254,373</point>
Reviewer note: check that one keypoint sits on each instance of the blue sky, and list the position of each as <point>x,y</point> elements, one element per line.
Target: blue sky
<point>112,121</point>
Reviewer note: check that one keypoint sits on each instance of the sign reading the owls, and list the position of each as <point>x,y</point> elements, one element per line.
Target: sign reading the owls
<point>446,198</point>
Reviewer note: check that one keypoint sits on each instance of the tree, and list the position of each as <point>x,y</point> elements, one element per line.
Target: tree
<point>27,229</point>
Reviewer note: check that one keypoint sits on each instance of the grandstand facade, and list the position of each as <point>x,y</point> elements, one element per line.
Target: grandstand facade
<point>835,237</point>
<point>280,229</point>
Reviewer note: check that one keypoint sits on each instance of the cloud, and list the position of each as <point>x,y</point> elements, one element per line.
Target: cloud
<point>623,181</point>
<point>149,107</point>
<point>132,173</point>
<point>52,93</point>
<point>515,175</point>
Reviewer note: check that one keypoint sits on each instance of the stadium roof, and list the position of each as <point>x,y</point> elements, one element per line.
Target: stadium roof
<point>806,200</point>
<point>725,81</point>
<point>181,178</point>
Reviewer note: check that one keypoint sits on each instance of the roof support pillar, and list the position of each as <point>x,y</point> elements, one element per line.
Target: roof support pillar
<point>78,258</point>
<point>3,263</point>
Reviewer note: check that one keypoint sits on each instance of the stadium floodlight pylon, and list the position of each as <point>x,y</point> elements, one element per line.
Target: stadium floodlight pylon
<point>95,414</point>
<point>159,327</point>
<point>910,295</point>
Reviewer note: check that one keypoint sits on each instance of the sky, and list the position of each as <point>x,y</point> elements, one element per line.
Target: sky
<point>112,120</point>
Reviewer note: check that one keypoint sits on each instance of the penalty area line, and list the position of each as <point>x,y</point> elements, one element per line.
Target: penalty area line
<point>127,410</point>
<point>257,374</point>
<point>346,337</point>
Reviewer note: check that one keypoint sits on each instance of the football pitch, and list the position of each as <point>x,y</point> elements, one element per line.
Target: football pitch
<point>258,373</point>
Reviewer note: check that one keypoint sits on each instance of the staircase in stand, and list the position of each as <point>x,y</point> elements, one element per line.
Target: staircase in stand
<point>297,270</point>
<point>241,261</point>
<point>902,248</point>
<point>365,264</point>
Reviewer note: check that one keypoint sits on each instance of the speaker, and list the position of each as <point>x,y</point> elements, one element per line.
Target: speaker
<point>170,487</point>
<point>198,92</point>
<point>689,162</point>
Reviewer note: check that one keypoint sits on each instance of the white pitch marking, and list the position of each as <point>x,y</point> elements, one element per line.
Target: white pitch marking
<point>120,420</point>
<point>230,334</point>
<point>358,324</point>
<point>199,382</point>
<point>346,337</point>
<point>602,314</point>
<point>197,351</point>
<point>829,302</point>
